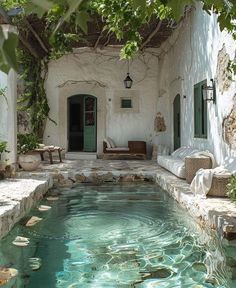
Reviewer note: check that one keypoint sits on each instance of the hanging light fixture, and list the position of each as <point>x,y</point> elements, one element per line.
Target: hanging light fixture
<point>206,89</point>
<point>128,81</point>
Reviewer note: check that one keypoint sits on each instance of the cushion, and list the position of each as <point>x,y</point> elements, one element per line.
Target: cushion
<point>163,149</point>
<point>112,143</point>
<point>117,149</point>
<point>107,142</point>
<point>183,152</point>
<point>174,165</point>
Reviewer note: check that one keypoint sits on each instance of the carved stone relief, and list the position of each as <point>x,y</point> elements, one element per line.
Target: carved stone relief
<point>222,73</point>
<point>229,127</point>
<point>159,123</point>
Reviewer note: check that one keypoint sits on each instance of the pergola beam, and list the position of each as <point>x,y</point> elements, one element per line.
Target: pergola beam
<point>25,43</point>
<point>36,36</point>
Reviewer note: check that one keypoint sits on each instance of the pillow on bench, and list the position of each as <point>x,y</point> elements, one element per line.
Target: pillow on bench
<point>112,143</point>
<point>107,143</point>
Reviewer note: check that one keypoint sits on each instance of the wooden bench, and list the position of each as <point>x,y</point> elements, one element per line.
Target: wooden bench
<point>49,150</point>
<point>135,149</point>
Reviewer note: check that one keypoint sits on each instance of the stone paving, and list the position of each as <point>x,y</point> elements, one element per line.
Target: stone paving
<point>217,213</point>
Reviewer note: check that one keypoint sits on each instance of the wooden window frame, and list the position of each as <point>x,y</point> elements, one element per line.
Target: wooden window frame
<point>126,99</point>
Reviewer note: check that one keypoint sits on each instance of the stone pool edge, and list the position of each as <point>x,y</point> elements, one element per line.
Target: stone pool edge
<point>216,213</point>
<point>212,212</point>
<point>17,197</point>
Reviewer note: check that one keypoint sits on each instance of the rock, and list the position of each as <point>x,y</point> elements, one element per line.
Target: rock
<point>21,241</point>
<point>44,208</point>
<point>6,274</point>
<point>2,281</point>
<point>52,198</point>
<point>33,221</point>
<point>81,178</point>
<point>159,273</point>
<point>198,266</point>
<point>35,263</point>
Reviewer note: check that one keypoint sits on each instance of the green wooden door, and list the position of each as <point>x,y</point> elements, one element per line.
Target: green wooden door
<point>90,124</point>
<point>177,122</point>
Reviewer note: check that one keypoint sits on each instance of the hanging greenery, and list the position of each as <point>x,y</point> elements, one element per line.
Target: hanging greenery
<point>231,188</point>
<point>66,24</point>
<point>33,100</point>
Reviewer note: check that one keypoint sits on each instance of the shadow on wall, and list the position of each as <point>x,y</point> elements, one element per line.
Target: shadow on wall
<point>196,61</point>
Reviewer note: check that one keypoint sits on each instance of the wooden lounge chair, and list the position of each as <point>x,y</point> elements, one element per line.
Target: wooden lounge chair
<point>135,149</point>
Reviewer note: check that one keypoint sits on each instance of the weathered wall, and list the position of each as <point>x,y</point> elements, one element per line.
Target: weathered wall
<point>101,74</point>
<point>8,114</point>
<point>8,109</point>
<point>197,50</point>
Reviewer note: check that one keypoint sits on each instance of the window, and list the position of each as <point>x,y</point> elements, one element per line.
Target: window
<point>200,111</point>
<point>126,103</point>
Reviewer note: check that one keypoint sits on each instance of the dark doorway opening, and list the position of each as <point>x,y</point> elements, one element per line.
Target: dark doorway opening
<point>82,123</point>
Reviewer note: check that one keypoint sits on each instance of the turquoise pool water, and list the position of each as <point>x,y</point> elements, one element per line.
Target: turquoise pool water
<point>115,236</point>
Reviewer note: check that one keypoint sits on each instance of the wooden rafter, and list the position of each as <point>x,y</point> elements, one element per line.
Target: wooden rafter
<point>24,42</point>
<point>36,36</point>
<point>151,35</point>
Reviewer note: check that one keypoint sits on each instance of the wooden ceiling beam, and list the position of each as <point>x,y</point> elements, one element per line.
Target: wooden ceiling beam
<point>42,45</point>
<point>24,42</point>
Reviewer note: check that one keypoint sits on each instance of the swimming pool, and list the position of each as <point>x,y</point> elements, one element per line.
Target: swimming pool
<point>130,235</point>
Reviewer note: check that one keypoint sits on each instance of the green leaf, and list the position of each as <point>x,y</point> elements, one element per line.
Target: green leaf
<point>138,3</point>
<point>82,18</point>
<point>178,7</point>
<point>44,4</point>
<point>9,50</point>
<point>8,43</point>
<point>73,6</point>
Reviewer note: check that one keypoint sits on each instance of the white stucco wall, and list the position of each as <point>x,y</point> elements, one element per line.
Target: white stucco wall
<point>188,57</point>
<point>8,114</point>
<point>101,74</point>
<point>8,125</point>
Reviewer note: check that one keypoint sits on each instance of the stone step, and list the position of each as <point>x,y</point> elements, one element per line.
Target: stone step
<point>81,156</point>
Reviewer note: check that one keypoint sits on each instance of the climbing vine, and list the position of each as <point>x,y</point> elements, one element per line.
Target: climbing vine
<point>33,100</point>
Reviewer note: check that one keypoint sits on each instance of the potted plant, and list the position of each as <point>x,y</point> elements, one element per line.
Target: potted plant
<point>26,144</point>
<point>3,163</point>
<point>3,148</point>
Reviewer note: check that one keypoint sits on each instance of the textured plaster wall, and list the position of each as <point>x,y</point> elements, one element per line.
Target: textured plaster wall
<point>189,56</point>
<point>8,115</point>
<point>101,74</point>
<point>8,125</point>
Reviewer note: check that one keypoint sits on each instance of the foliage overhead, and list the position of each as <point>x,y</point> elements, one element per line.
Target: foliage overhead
<point>66,23</point>
<point>123,17</point>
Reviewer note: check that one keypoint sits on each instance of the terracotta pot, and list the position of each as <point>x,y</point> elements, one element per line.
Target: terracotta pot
<point>29,162</point>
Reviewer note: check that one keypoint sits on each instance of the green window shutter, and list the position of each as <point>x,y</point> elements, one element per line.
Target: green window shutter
<point>200,112</point>
<point>197,126</point>
<point>204,114</point>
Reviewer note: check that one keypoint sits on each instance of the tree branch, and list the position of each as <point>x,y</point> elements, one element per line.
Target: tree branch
<point>151,35</point>
<point>97,41</point>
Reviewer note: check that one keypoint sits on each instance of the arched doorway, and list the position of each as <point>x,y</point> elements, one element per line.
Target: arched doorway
<point>177,122</point>
<point>82,123</point>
